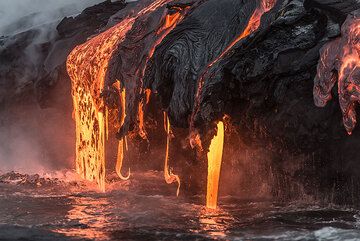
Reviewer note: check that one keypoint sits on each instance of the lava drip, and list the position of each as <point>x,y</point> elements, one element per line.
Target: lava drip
<point>122,142</point>
<point>143,45</point>
<point>168,175</point>
<point>87,66</point>
<point>340,61</point>
<point>214,166</point>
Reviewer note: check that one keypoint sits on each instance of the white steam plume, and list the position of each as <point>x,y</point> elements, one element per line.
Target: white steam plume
<point>20,15</point>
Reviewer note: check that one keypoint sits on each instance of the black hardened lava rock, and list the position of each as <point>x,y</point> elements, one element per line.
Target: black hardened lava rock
<point>180,59</point>
<point>265,85</point>
<point>272,76</point>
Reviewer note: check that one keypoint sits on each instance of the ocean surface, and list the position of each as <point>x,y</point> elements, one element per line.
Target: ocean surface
<point>63,207</point>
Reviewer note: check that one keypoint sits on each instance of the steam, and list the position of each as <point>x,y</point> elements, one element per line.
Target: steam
<point>19,15</point>
<point>35,141</point>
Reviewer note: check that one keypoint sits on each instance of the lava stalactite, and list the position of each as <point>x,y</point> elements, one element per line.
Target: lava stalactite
<point>340,60</point>
<point>168,175</point>
<point>120,158</point>
<point>214,166</point>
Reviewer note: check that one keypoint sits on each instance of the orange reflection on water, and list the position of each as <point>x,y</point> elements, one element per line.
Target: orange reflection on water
<point>88,218</point>
<point>215,222</point>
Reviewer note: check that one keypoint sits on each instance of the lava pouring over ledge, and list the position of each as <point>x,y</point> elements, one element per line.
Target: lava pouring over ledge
<point>87,66</point>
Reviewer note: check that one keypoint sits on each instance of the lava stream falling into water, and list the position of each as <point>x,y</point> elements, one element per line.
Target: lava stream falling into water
<point>122,143</point>
<point>168,175</point>
<point>214,166</point>
<point>87,66</point>
<point>215,153</point>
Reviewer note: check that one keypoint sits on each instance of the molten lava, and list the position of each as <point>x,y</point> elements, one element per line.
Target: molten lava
<point>168,175</point>
<point>216,147</point>
<point>214,166</point>
<point>87,66</point>
<point>340,60</point>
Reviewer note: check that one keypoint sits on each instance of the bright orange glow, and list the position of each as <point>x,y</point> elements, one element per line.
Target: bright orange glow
<point>87,65</point>
<point>120,158</point>
<point>215,223</point>
<point>168,175</point>
<point>121,146</point>
<point>214,166</point>
<point>147,94</point>
<point>170,21</point>
<point>83,211</point>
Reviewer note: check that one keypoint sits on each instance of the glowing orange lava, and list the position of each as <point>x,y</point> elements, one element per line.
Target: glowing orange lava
<point>168,175</point>
<point>216,147</point>
<point>87,65</point>
<point>214,166</point>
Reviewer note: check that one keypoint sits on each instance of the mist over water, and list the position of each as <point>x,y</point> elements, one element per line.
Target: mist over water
<point>32,139</point>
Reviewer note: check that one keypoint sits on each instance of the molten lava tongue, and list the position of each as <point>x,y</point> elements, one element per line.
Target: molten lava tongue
<point>341,55</point>
<point>168,175</point>
<point>120,157</point>
<point>214,166</point>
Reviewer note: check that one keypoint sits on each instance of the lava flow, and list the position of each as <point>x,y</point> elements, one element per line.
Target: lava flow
<point>87,66</point>
<point>168,175</point>
<point>215,153</point>
<point>214,166</point>
<point>340,60</point>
